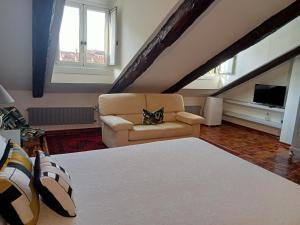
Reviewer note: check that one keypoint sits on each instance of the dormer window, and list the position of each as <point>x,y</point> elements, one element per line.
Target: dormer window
<point>87,36</point>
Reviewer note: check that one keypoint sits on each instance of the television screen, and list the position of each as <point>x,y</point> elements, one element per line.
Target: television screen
<point>269,95</point>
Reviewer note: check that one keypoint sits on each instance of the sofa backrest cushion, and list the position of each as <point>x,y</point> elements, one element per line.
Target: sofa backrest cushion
<point>170,102</point>
<point>133,118</point>
<point>121,104</point>
<point>170,117</point>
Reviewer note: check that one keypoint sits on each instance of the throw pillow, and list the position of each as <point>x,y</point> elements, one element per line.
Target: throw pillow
<point>18,198</point>
<point>53,183</point>
<point>152,118</point>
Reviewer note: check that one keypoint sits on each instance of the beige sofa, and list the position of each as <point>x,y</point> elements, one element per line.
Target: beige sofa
<point>121,117</point>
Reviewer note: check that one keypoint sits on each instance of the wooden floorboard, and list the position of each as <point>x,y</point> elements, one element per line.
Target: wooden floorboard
<point>257,147</point>
<point>254,146</point>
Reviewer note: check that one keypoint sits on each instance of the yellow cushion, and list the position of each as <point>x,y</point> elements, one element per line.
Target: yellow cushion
<point>121,104</point>
<point>137,119</point>
<point>18,197</point>
<point>189,118</point>
<point>164,130</point>
<point>133,118</point>
<point>170,117</point>
<point>116,123</point>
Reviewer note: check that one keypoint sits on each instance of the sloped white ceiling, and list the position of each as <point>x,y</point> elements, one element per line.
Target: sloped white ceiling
<point>16,51</point>
<point>222,24</point>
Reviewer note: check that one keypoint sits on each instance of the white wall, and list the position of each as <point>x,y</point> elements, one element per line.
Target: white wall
<point>24,100</point>
<point>283,40</point>
<point>289,120</point>
<point>278,43</point>
<point>16,52</point>
<point>15,44</point>
<point>137,21</point>
<point>279,75</point>
<point>225,22</point>
<point>206,82</point>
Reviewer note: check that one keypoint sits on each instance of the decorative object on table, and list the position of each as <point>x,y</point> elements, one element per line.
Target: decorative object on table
<point>12,118</point>
<point>153,118</point>
<point>34,140</point>
<point>31,138</point>
<point>19,199</point>
<point>53,183</point>
<point>5,98</point>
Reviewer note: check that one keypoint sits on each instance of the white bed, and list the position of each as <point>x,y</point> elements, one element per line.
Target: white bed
<point>177,182</point>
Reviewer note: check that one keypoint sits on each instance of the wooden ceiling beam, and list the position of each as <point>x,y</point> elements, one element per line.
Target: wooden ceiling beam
<point>263,30</point>
<point>174,27</point>
<point>257,72</point>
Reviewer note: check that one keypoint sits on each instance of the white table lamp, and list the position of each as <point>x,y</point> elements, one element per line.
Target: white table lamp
<point>5,98</point>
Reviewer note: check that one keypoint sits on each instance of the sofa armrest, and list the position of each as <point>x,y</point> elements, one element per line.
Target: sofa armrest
<point>189,118</point>
<point>117,123</point>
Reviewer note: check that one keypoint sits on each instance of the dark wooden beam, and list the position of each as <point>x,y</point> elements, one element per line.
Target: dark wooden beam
<point>264,68</point>
<point>263,30</point>
<point>174,27</point>
<point>41,20</point>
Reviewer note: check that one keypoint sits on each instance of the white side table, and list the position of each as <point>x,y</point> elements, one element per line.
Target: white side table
<point>14,135</point>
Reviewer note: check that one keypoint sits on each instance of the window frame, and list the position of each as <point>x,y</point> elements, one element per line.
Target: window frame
<point>83,37</point>
<point>97,9</point>
<point>67,63</point>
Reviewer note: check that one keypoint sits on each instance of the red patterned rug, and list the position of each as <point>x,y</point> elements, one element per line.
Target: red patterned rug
<point>79,140</point>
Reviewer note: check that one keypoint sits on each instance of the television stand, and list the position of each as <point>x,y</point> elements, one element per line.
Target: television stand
<point>260,114</point>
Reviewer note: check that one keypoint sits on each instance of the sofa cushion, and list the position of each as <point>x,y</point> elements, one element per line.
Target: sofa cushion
<point>133,118</point>
<point>164,130</point>
<point>121,104</point>
<point>170,102</point>
<point>189,118</point>
<point>116,123</point>
<point>170,117</point>
<point>137,119</point>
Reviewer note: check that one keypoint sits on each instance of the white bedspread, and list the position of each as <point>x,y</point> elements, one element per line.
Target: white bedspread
<point>177,182</point>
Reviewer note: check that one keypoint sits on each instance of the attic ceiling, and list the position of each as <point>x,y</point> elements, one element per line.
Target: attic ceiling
<point>222,24</point>
<point>219,26</point>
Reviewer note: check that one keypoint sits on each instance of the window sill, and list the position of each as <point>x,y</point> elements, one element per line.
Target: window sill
<point>81,79</point>
<point>99,70</point>
<point>209,77</point>
<point>83,75</point>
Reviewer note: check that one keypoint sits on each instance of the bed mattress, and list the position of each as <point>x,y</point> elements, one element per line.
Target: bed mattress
<point>177,182</point>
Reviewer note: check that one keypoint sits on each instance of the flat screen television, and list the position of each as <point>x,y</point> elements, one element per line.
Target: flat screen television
<point>269,95</point>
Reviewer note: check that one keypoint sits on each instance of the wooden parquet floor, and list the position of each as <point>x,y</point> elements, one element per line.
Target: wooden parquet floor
<point>254,146</point>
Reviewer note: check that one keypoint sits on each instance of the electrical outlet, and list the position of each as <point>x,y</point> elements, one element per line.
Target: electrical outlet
<point>267,117</point>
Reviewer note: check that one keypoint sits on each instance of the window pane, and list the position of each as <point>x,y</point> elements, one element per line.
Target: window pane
<point>227,67</point>
<point>69,35</point>
<point>95,37</point>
